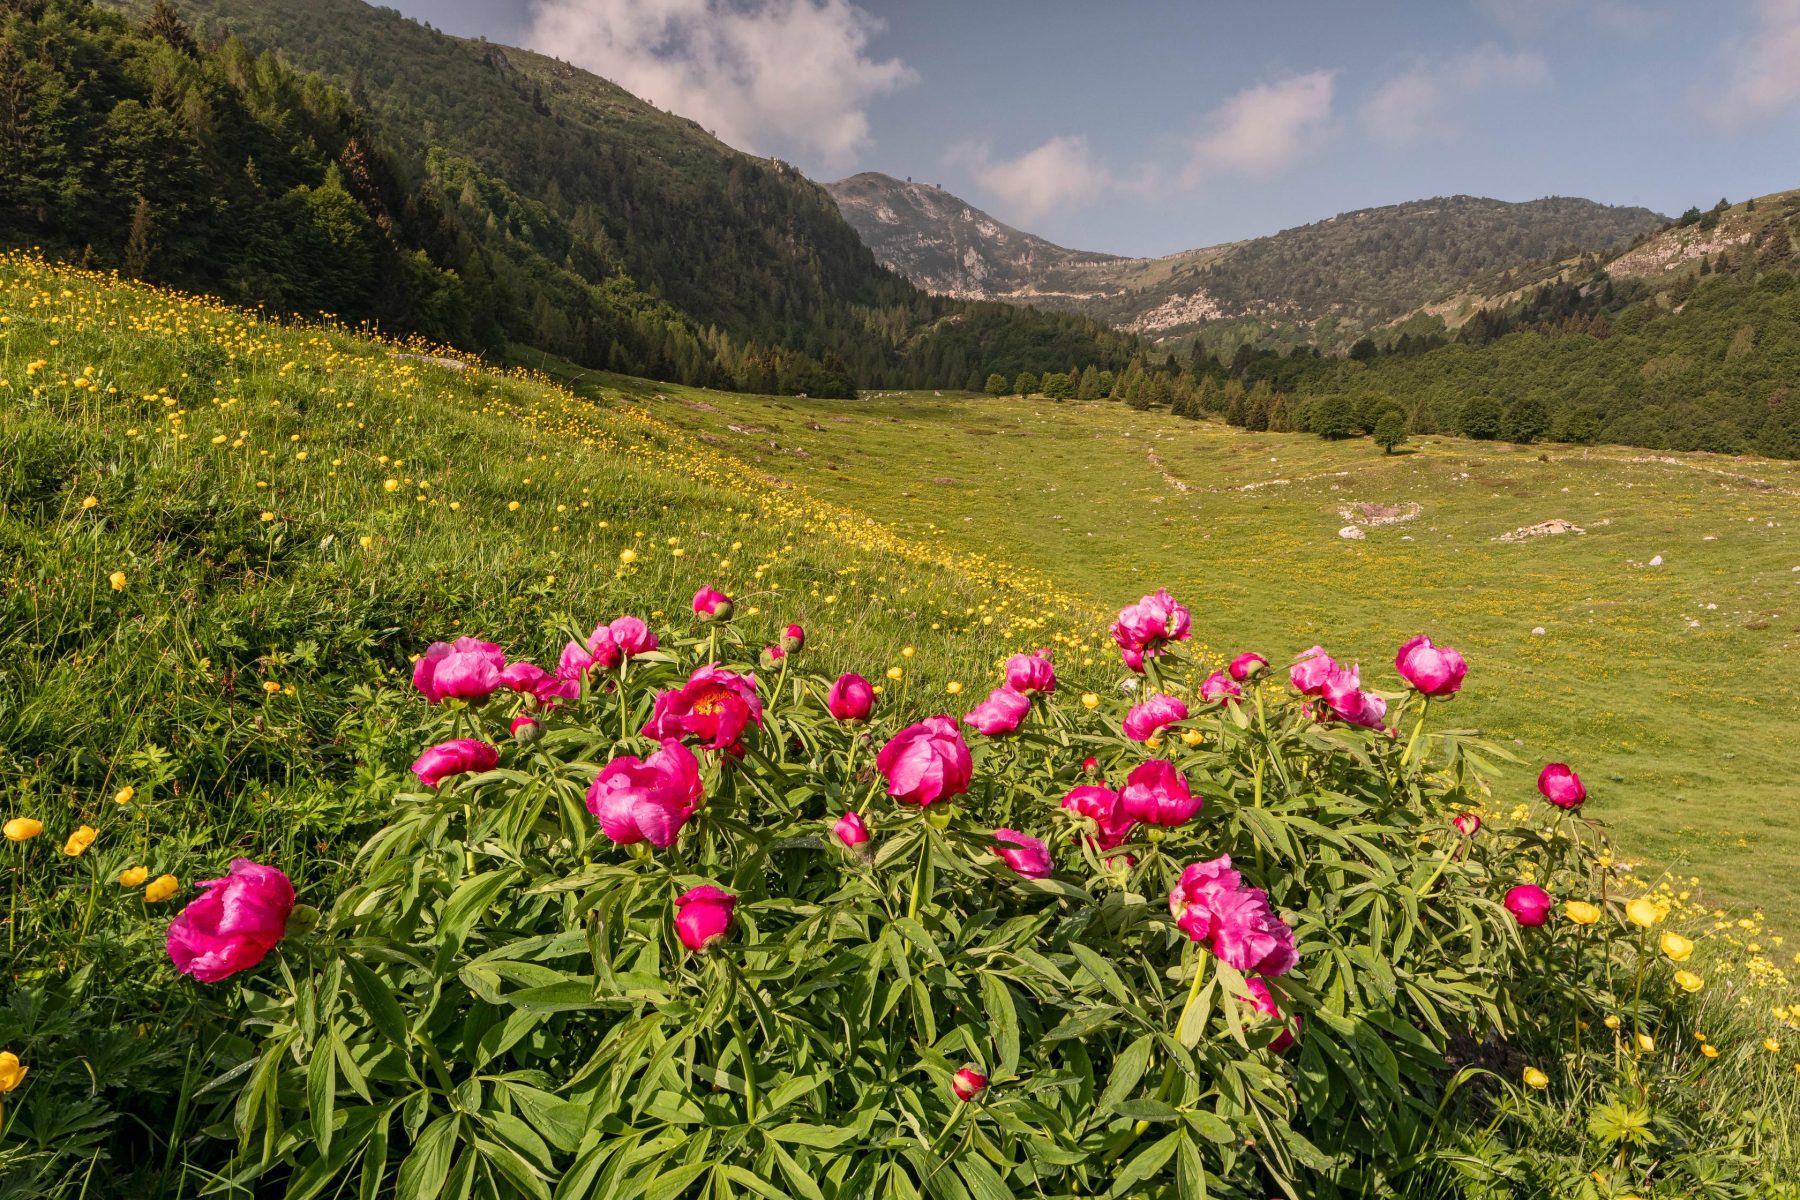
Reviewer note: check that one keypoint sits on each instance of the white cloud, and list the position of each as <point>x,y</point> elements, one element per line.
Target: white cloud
<point>1264,128</point>
<point>1763,69</point>
<point>1058,174</point>
<point>770,76</point>
<point>1421,101</point>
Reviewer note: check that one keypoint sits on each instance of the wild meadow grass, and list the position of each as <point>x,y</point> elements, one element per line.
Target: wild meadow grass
<point>1670,683</point>
<point>225,540</point>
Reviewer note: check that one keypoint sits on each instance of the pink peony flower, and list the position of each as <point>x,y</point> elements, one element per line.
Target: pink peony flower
<point>793,639</point>
<point>526,677</point>
<point>1197,893</point>
<point>1157,794</point>
<point>702,915</point>
<point>850,830</point>
<point>1000,713</point>
<point>1031,672</point>
<point>1467,824</point>
<point>648,799</point>
<point>968,1083</point>
<point>1248,666</point>
<point>1263,1001</point>
<point>1027,856</point>
<point>629,634</point>
<point>1314,669</point>
<point>1529,904</point>
<point>460,756</point>
<point>1247,934</point>
<point>710,604</point>
<point>1101,806</point>
<point>1349,703</point>
<point>598,653</point>
<point>1142,722</point>
<point>1134,659</point>
<point>772,656</point>
<point>926,762</point>
<point>1433,670</point>
<point>1561,786</point>
<point>1152,623</point>
<point>850,698</point>
<point>233,924</point>
<point>1218,686</point>
<point>466,669</point>
<point>714,706</point>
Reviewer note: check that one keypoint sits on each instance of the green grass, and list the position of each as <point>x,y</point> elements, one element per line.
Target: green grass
<point>1668,687</point>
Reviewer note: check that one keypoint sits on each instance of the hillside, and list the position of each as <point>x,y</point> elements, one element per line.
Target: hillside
<point>1323,283</point>
<point>467,191</point>
<point>949,247</point>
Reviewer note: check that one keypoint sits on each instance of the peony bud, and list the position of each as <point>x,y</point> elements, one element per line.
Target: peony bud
<point>1467,824</point>
<point>702,916</point>
<point>850,830</point>
<point>1561,786</point>
<point>710,604</point>
<point>1529,904</point>
<point>793,639</point>
<point>968,1083</point>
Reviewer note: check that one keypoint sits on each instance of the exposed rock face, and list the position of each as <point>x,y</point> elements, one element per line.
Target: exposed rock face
<point>946,245</point>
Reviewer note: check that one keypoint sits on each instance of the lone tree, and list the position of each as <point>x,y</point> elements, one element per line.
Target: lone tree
<point>1335,417</point>
<point>1390,430</point>
<point>996,384</point>
<point>1025,384</point>
<point>1526,421</point>
<point>1480,418</point>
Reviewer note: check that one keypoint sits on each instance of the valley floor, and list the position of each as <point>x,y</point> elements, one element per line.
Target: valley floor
<point>1651,648</point>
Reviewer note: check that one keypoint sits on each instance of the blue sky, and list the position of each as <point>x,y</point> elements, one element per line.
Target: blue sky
<point>1150,126</point>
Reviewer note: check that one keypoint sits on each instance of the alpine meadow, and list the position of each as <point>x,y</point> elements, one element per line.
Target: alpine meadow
<point>545,654</point>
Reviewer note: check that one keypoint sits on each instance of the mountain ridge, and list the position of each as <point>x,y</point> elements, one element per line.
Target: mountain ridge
<point>1354,271</point>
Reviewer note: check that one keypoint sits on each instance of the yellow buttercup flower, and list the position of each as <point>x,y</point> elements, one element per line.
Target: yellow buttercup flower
<point>12,1071</point>
<point>628,556</point>
<point>1676,947</point>
<point>1191,737</point>
<point>1646,1043</point>
<point>1687,981</point>
<point>160,889</point>
<point>90,501</point>
<point>124,795</point>
<point>22,829</point>
<point>1536,1078</point>
<point>1771,1045</point>
<point>895,673</point>
<point>1710,1050</point>
<point>1644,911</point>
<point>1090,701</point>
<point>1581,912</point>
<point>1612,1021</point>
<point>953,688</point>
<point>80,840</point>
<point>271,687</point>
<point>132,876</point>
<point>117,579</point>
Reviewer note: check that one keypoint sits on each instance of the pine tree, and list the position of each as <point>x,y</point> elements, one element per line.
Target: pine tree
<point>140,243</point>
<point>1090,385</point>
<point>1025,384</point>
<point>996,384</point>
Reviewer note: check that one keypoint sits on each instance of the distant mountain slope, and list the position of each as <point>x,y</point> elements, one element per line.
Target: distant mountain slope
<point>1325,282</point>
<point>947,245</point>
<point>589,223</point>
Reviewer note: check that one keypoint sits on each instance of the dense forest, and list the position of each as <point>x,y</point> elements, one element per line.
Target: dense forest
<point>485,197</point>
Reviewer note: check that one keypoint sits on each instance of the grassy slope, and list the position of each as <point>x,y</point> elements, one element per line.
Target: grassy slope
<point>240,478</point>
<point>1623,683</point>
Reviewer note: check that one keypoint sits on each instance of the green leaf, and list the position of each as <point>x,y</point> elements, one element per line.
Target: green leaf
<point>984,1183</point>
<point>1146,1164</point>
<point>1147,1110</point>
<point>321,1091</point>
<point>1128,1069</point>
<point>423,1173</point>
<point>1003,1022</point>
<point>561,1122</point>
<point>821,1137</point>
<point>1101,971</point>
<point>378,1002</point>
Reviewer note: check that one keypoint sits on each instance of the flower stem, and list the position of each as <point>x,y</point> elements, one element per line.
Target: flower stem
<point>1413,741</point>
<point>912,908</point>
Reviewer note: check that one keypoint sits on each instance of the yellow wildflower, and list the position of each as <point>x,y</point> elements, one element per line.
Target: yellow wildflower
<point>80,840</point>
<point>117,579</point>
<point>1676,947</point>
<point>22,829</point>
<point>132,876</point>
<point>1536,1078</point>
<point>12,1071</point>
<point>1688,981</point>
<point>1581,912</point>
<point>1644,912</point>
<point>160,889</point>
